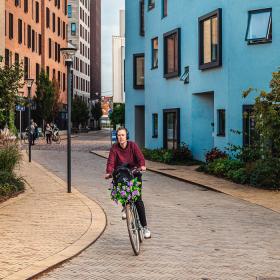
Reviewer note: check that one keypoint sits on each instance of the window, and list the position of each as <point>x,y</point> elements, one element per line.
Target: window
<point>63,30</point>
<point>138,71</point>
<point>155,126</point>
<point>63,83</point>
<point>29,36</point>
<point>249,132</point>
<point>221,116</point>
<point>58,26</point>
<point>259,29</point>
<point>11,26</point>
<point>26,6</point>
<point>151,4</point>
<point>53,22</point>
<point>48,70</point>
<point>69,10</point>
<point>19,31</point>
<point>171,128</point>
<point>164,8</point>
<point>73,29</point>
<point>16,3</point>
<point>37,12</point>
<point>7,57</point>
<point>40,44</point>
<point>26,67</point>
<point>33,40</point>
<point>210,40</point>
<point>37,71</point>
<point>55,51</point>
<point>142,18</point>
<point>172,53</point>
<point>65,7</point>
<point>17,58</point>
<point>154,53</point>
<point>50,48</point>
<point>48,17</point>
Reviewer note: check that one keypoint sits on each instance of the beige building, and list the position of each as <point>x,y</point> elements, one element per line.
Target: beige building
<point>118,56</point>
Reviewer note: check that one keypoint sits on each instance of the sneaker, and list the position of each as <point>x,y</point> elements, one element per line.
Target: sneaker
<point>147,233</point>
<point>123,214</point>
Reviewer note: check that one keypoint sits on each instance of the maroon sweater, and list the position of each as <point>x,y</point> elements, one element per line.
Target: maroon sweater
<point>131,155</point>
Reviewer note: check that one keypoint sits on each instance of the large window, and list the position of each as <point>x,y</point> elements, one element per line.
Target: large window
<point>142,17</point>
<point>172,53</point>
<point>210,40</point>
<point>249,131</point>
<point>73,29</point>
<point>155,126</point>
<point>171,128</point>
<point>259,29</point>
<point>69,9</point>
<point>11,26</point>
<point>151,4</point>
<point>164,8</point>
<point>154,53</point>
<point>138,71</point>
<point>221,117</point>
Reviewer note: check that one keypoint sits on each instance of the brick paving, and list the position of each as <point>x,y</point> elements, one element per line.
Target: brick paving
<point>45,225</point>
<point>196,233</point>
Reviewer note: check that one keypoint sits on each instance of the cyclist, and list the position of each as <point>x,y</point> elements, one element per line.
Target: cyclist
<point>128,152</point>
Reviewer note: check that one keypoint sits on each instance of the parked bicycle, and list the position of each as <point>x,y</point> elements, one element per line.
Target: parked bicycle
<point>126,188</point>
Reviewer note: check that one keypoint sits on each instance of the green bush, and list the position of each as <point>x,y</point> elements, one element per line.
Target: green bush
<point>10,184</point>
<point>220,167</point>
<point>266,174</point>
<point>180,155</point>
<point>239,176</point>
<point>9,157</point>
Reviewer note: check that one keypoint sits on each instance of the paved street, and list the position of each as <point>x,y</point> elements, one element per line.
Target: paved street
<point>196,234</point>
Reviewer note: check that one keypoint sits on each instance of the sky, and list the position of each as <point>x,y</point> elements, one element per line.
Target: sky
<point>109,27</point>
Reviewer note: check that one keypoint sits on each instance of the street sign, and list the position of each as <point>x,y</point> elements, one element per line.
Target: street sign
<point>20,108</point>
<point>114,136</point>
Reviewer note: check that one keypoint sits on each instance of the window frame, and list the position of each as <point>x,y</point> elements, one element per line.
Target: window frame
<point>141,18</point>
<point>164,8</point>
<point>135,57</point>
<point>152,42</point>
<point>268,38</point>
<point>151,4</point>
<point>177,113</point>
<point>177,72</point>
<point>72,32</point>
<point>221,127</point>
<point>201,20</point>
<point>155,128</point>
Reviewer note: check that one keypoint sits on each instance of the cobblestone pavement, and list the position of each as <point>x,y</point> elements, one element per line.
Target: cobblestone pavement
<point>196,234</point>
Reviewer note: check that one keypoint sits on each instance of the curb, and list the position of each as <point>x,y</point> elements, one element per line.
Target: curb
<point>95,230</point>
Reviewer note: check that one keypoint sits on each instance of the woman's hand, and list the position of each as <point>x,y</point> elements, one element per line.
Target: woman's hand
<point>143,168</point>
<point>108,176</point>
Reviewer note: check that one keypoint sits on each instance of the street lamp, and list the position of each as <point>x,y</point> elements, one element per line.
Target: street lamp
<point>29,83</point>
<point>68,54</point>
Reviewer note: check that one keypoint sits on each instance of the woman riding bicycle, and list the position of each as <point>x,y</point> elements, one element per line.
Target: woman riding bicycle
<point>128,153</point>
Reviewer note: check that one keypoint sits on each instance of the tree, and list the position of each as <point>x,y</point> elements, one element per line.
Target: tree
<point>267,117</point>
<point>10,82</point>
<point>47,99</point>
<point>80,112</point>
<point>96,112</point>
<point>118,114</point>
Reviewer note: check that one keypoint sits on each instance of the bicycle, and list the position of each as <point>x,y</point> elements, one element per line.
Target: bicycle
<point>134,227</point>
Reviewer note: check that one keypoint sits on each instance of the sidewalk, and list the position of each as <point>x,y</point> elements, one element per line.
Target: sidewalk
<point>265,198</point>
<point>45,225</point>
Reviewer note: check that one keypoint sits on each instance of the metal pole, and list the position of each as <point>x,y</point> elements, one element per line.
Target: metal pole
<point>69,107</point>
<point>20,128</point>
<point>29,123</point>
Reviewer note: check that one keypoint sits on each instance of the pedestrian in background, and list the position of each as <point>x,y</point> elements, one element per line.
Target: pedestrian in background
<point>48,133</point>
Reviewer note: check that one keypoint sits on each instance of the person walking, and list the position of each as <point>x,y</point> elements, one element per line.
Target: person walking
<point>32,132</point>
<point>48,133</point>
<point>126,152</point>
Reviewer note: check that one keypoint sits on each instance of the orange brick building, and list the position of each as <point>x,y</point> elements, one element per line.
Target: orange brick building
<point>34,33</point>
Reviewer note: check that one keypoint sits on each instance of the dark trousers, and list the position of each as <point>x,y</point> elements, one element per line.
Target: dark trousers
<point>141,211</point>
<point>49,138</point>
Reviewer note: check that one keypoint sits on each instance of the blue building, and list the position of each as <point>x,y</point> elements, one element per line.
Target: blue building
<point>187,64</point>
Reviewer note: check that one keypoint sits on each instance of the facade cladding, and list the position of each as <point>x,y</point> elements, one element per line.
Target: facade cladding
<point>79,36</point>
<point>187,65</point>
<point>34,33</point>
<point>95,49</point>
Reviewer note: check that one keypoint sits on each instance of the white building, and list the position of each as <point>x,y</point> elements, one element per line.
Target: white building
<point>79,36</point>
<point>118,56</point>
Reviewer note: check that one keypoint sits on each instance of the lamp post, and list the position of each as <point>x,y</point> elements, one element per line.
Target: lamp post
<point>68,54</point>
<point>29,83</point>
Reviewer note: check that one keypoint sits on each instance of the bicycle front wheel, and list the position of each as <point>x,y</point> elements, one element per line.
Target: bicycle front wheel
<point>132,229</point>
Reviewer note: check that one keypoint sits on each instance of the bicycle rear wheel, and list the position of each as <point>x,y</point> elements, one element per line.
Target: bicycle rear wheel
<point>132,229</point>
